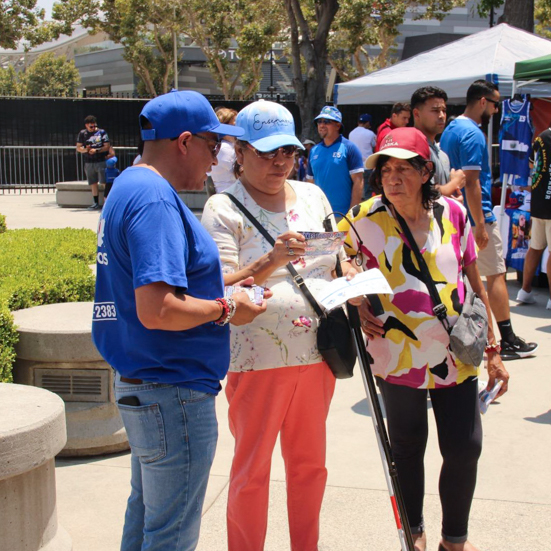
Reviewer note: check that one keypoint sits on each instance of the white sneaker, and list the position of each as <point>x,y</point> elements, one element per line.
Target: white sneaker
<point>527,298</point>
<point>548,307</point>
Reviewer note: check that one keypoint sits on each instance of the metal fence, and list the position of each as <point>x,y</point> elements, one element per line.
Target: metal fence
<point>39,168</point>
<point>38,137</point>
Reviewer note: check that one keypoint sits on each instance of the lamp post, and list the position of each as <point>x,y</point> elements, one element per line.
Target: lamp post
<point>175,42</point>
<point>271,88</point>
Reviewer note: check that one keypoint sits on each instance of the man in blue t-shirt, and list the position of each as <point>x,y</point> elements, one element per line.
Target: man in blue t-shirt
<point>161,320</point>
<point>466,146</point>
<point>335,164</point>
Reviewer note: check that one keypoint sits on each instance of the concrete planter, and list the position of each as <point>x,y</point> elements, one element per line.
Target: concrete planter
<point>55,352</point>
<point>32,432</point>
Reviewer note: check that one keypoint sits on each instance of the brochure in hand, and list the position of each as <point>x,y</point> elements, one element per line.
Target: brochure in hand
<point>371,282</point>
<point>319,243</point>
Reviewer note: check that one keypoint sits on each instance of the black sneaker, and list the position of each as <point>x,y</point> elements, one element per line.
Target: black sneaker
<point>517,349</point>
<point>93,206</point>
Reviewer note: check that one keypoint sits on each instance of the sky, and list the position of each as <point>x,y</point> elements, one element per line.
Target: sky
<point>47,5</point>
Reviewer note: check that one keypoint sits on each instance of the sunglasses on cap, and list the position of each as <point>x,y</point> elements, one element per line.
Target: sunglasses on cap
<point>287,151</point>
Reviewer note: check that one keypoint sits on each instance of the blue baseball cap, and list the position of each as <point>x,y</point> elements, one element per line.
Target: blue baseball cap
<point>364,118</point>
<point>330,112</point>
<point>177,112</point>
<point>267,125</point>
<point>110,163</point>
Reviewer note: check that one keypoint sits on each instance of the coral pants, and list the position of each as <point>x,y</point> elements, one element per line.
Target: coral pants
<point>294,401</point>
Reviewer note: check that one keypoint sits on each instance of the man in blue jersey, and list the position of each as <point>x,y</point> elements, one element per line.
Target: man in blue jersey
<point>465,144</point>
<point>335,164</point>
<point>161,320</point>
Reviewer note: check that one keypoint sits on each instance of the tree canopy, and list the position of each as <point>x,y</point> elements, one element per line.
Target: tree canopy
<point>147,28</point>
<point>9,85</point>
<point>48,75</point>
<point>21,20</point>
<point>250,27</point>
<point>523,14</point>
<point>52,76</point>
<point>375,23</point>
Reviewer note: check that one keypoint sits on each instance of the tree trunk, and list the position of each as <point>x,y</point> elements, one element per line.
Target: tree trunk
<point>519,13</point>
<point>310,89</point>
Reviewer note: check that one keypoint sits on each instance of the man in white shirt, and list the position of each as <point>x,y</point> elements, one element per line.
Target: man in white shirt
<point>365,139</point>
<point>363,136</point>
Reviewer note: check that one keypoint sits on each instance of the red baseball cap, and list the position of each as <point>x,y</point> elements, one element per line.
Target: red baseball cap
<point>402,143</point>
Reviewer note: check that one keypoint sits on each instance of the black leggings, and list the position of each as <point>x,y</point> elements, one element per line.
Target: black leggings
<point>457,417</point>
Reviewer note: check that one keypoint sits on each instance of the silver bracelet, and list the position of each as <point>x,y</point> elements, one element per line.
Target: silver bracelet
<point>231,311</point>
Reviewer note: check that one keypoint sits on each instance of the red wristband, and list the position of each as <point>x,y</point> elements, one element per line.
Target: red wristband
<point>225,310</point>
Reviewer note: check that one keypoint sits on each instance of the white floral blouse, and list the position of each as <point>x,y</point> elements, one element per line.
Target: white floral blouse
<point>285,335</point>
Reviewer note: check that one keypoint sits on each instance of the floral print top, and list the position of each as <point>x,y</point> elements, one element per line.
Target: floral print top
<point>414,350</point>
<point>284,335</point>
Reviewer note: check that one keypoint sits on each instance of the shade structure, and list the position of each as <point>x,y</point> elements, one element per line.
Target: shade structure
<point>538,68</point>
<point>489,54</point>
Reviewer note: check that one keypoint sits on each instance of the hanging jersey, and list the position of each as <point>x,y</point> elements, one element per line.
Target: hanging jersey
<point>515,139</point>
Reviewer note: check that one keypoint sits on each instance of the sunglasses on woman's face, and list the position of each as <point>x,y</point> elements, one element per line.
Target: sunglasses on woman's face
<point>287,151</point>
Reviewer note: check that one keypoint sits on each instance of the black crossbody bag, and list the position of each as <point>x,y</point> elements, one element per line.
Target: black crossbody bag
<point>334,335</point>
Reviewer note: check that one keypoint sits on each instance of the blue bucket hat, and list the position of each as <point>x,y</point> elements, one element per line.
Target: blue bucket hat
<point>177,112</point>
<point>267,125</point>
<point>330,112</point>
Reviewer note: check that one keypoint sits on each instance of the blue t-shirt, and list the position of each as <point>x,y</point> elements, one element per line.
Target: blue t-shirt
<point>146,234</point>
<point>331,167</point>
<point>466,147</point>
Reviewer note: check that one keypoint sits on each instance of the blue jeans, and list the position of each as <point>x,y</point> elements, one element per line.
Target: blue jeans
<point>172,434</point>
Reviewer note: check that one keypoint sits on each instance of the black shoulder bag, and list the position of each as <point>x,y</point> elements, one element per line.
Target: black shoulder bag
<point>469,334</point>
<point>334,336</point>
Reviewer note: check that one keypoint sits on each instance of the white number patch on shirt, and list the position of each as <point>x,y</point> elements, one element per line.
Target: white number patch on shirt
<point>104,311</point>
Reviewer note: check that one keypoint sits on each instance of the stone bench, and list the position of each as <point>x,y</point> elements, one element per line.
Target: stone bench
<point>56,352</point>
<point>78,194</point>
<point>32,432</point>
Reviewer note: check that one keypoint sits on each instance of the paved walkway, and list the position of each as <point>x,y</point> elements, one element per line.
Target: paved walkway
<point>512,506</point>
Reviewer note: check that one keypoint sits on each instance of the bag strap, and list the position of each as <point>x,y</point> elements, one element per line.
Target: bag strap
<point>297,278</point>
<point>439,309</point>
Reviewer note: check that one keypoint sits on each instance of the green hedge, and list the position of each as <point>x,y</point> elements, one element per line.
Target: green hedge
<point>41,267</point>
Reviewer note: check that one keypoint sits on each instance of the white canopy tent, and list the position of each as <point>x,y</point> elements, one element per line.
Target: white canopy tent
<point>489,54</point>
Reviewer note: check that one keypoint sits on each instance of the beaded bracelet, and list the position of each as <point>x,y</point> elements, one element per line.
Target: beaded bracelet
<point>228,310</point>
<point>494,347</point>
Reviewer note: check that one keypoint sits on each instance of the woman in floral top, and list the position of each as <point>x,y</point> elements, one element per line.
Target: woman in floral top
<point>408,344</point>
<point>278,382</point>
